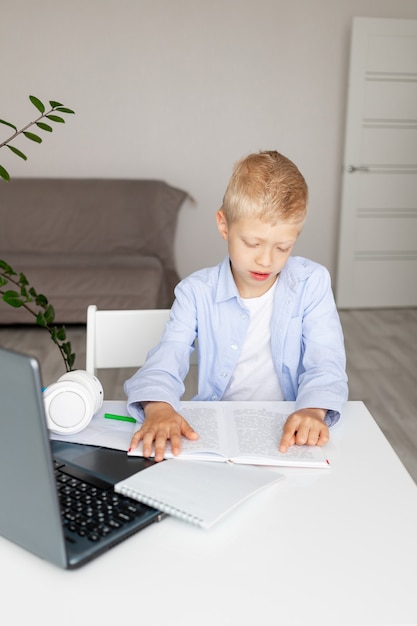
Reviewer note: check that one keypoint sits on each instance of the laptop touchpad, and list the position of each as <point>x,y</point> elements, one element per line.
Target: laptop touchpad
<point>106,463</point>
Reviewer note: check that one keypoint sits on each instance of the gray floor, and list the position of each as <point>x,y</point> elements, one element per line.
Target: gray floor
<point>381,348</point>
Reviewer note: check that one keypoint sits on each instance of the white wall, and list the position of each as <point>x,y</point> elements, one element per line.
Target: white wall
<point>180,89</point>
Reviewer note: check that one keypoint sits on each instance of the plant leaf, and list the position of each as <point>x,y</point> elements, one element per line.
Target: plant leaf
<point>49,314</point>
<point>61,334</point>
<point>56,118</point>
<point>44,126</point>
<point>6,267</point>
<point>32,137</point>
<point>66,347</point>
<point>8,124</point>
<point>40,319</point>
<point>23,280</point>
<point>4,174</point>
<point>42,300</point>
<point>65,110</point>
<point>13,298</point>
<point>18,152</point>
<point>3,281</point>
<point>55,104</point>
<point>38,104</point>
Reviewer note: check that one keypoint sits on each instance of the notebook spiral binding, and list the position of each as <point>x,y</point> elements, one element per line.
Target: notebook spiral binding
<point>161,506</point>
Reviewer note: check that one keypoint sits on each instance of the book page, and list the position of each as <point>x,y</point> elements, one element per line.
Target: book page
<point>258,431</point>
<point>204,418</point>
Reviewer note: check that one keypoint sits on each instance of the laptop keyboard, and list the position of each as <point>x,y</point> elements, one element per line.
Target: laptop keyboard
<point>92,509</point>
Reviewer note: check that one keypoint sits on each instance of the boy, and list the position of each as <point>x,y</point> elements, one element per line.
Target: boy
<point>266,322</point>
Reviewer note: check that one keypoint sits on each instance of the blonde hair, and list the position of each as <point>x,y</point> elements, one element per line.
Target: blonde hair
<point>267,186</point>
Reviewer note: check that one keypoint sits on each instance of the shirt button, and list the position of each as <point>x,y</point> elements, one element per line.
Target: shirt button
<point>224,374</point>
<point>244,316</point>
<point>214,397</point>
<point>234,346</point>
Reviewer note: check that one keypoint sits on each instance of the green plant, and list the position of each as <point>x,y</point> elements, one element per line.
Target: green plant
<point>49,115</point>
<point>26,296</point>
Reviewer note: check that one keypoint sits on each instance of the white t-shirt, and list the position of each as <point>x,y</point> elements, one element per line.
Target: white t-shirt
<point>255,377</point>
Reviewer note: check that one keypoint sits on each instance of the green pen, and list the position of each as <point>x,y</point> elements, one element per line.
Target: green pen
<point>121,418</point>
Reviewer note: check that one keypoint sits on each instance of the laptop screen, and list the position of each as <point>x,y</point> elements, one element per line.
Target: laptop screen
<point>27,488</point>
<point>37,511</point>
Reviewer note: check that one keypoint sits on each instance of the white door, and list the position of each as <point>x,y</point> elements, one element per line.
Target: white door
<point>377,264</point>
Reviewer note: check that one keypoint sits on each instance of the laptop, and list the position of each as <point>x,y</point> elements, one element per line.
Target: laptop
<point>57,499</point>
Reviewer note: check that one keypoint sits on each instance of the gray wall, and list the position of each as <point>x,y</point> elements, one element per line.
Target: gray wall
<point>180,89</point>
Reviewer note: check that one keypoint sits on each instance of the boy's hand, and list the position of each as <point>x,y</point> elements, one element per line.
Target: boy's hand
<point>161,423</point>
<point>305,427</point>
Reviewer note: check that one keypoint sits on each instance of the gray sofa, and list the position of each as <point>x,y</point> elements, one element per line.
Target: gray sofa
<point>107,242</point>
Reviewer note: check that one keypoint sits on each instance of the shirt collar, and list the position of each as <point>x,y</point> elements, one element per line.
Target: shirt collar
<point>226,287</point>
<point>295,270</point>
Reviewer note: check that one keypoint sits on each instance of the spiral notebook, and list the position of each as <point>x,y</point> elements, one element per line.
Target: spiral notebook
<point>199,492</point>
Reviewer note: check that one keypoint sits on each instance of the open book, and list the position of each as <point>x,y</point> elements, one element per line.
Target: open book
<point>241,432</point>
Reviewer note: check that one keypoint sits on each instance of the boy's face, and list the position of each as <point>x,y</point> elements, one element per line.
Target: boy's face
<point>258,251</point>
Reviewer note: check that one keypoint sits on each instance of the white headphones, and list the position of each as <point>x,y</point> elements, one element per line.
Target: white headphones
<point>71,402</point>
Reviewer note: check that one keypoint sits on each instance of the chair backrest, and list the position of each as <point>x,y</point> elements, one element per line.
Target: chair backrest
<point>122,338</point>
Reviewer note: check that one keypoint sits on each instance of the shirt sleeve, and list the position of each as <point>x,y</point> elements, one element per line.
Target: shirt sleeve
<point>322,380</point>
<point>161,378</point>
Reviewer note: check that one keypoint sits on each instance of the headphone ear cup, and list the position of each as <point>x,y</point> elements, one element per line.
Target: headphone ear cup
<point>71,402</point>
<point>90,382</point>
<point>68,407</point>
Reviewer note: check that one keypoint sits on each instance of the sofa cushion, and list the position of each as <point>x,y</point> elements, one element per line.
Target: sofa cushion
<point>66,235</point>
<point>136,285</point>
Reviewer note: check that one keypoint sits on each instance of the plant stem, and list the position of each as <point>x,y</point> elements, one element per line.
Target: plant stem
<point>50,330</point>
<point>22,130</point>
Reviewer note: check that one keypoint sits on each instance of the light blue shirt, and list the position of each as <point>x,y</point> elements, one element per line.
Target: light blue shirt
<point>306,340</point>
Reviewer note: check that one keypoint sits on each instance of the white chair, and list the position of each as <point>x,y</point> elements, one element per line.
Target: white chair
<point>121,338</point>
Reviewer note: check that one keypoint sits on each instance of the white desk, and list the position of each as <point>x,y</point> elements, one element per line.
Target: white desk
<point>330,548</point>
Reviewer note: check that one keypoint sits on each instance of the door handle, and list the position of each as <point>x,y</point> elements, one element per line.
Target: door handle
<point>357,168</point>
